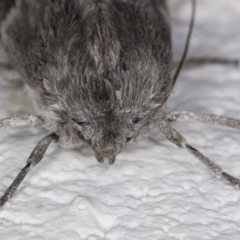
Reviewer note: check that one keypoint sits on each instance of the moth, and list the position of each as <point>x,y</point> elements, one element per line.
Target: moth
<point>98,72</point>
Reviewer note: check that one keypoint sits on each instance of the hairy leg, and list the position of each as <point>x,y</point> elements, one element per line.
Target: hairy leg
<point>204,118</point>
<point>35,157</point>
<point>176,138</point>
<point>20,121</point>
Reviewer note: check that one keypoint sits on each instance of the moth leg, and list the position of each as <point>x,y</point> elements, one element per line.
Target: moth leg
<point>204,118</point>
<point>176,138</point>
<point>8,72</point>
<point>20,121</point>
<point>34,158</point>
<point>198,62</point>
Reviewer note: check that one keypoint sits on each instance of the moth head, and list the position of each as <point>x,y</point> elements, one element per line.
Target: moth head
<point>109,133</point>
<point>103,115</point>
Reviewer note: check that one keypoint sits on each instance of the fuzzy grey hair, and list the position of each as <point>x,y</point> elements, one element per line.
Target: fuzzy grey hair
<point>99,74</point>
<point>99,71</point>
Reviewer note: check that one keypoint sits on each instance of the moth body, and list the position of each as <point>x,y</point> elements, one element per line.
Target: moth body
<point>98,72</point>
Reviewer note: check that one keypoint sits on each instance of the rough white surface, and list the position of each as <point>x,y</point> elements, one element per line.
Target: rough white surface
<point>154,190</point>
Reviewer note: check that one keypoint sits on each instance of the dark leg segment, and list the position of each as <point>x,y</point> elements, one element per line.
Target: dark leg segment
<point>35,157</point>
<point>181,142</point>
<point>217,170</point>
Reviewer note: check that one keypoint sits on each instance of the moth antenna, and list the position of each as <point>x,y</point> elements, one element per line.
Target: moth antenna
<point>186,47</point>
<point>20,121</point>
<point>180,66</point>
<point>176,138</point>
<point>34,158</point>
<point>203,118</point>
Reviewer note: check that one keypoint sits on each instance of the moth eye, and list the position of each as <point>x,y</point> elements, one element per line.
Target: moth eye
<point>136,120</point>
<point>128,139</point>
<point>80,123</point>
<point>124,66</point>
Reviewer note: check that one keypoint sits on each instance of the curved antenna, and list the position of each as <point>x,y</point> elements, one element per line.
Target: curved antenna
<point>180,65</point>
<point>183,58</point>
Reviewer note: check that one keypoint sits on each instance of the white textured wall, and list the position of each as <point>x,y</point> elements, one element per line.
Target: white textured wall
<point>154,190</point>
